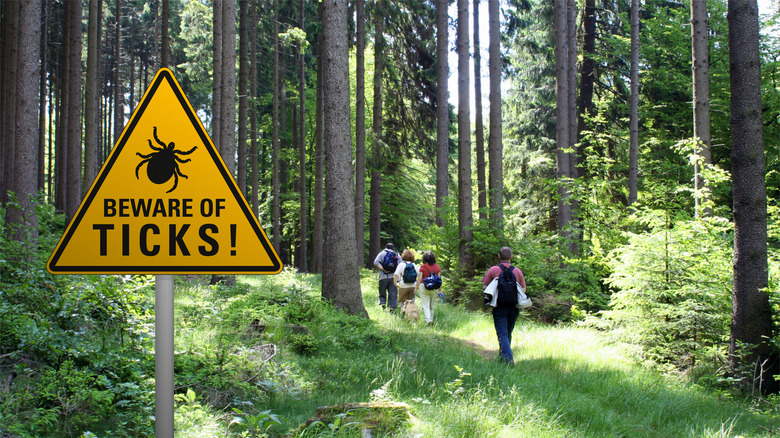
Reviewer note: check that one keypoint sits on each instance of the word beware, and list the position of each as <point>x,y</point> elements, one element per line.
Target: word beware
<point>128,207</point>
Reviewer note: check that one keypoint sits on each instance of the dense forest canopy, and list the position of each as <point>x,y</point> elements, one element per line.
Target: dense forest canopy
<point>628,151</point>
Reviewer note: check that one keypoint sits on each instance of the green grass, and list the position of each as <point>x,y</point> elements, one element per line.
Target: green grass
<point>567,381</point>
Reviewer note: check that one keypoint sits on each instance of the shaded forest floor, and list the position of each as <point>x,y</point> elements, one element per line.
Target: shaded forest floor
<point>259,358</point>
<point>567,381</point>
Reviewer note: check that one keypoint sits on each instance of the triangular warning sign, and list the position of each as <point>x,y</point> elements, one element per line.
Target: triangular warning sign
<point>164,202</point>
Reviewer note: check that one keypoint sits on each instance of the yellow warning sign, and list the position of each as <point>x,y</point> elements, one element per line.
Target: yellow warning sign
<point>164,202</point>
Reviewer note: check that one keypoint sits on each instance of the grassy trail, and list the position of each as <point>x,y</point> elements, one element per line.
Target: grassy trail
<point>567,381</point>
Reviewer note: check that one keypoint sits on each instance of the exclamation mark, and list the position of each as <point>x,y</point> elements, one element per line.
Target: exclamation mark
<point>233,239</point>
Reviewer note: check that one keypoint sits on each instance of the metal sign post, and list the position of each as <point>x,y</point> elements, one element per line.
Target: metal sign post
<point>163,356</point>
<point>140,217</point>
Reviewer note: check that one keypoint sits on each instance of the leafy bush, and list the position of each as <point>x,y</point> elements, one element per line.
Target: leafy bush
<point>674,296</point>
<point>353,332</point>
<point>60,401</point>
<point>304,344</point>
<point>75,344</point>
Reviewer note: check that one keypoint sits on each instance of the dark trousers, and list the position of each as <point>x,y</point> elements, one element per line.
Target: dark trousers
<point>388,293</point>
<point>504,319</point>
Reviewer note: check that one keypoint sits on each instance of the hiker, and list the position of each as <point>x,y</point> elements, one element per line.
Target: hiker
<point>386,261</point>
<point>504,315</point>
<point>428,270</point>
<point>406,276</point>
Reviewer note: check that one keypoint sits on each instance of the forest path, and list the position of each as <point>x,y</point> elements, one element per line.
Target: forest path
<point>480,348</point>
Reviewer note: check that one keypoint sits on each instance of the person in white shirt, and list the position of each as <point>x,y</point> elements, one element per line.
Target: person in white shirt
<point>406,286</point>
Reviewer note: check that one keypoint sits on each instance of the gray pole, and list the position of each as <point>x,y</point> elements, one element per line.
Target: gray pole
<point>163,356</point>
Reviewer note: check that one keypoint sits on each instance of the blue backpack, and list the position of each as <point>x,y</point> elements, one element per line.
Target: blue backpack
<point>507,287</point>
<point>390,261</point>
<point>410,274</point>
<point>432,282</point>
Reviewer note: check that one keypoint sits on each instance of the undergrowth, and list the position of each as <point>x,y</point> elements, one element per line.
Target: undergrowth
<point>258,358</point>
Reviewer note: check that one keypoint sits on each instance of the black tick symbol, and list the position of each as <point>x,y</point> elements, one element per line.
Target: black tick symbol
<point>163,162</point>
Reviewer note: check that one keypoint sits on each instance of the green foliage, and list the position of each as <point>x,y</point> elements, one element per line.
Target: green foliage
<point>80,398</point>
<point>341,425</point>
<point>76,344</point>
<point>60,401</point>
<point>304,344</point>
<point>17,255</point>
<point>254,426</point>
<point>192,418</point>
<point>196,45</point>
<point>233,383</point>
<point>405,193</point>
<point>674,290</point>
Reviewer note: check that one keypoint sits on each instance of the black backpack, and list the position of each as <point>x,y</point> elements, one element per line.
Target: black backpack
<point>390,261</point>
<point>410,274</point>
<point>507,287</point>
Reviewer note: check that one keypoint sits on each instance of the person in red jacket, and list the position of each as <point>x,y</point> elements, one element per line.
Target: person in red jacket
<point>504,317</point>
<point>428,296</point>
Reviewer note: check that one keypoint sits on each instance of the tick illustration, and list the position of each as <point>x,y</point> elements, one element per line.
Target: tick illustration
<point>163,163</point>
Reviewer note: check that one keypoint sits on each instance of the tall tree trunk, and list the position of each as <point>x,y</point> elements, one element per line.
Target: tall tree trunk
<point>751,323</point>
<point>479,134</point>
<point>227,136</point>
<point>42,186</point>
<point>587,80</point>
<point>50,141</point>
<point>131,82</point>
<point>227,105</point>
<point>284,184</point>
<point>283,113</point>
<point>165,40</point>
<point>294,186</point>
<point>91,115</point>
<point>442,108</point>
<point>243,98</point>
<point>338,286</point>
<point>465,219</point>
<point>701,102</point>
<point>375,190</point>
<point>23,219</point>
<point>10,45</point>
<point>633,154</point>
<point>216,86</point>
<point>319,163</point>
<point>61,139</point>
<point>303,254</point>
<point>74,108</point>
<point>360,131</point>
<point>275,208</point>
<point>254,177</point>
<point>562,136</point>
<point>571,73</point>
<point>119,107</point>
<point>495,138</point>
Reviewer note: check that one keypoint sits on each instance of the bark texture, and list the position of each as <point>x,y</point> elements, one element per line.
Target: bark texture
<point>751,323</point>
<point>340,274</point>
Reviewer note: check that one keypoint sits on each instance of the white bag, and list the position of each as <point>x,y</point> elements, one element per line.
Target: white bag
<point>523,302</point>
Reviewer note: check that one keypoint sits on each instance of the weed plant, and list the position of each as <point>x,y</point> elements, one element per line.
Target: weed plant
<point>567,380</point>
<point>234,379</point>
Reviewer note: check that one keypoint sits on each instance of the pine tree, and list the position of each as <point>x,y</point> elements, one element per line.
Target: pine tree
<point>340,276</point>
